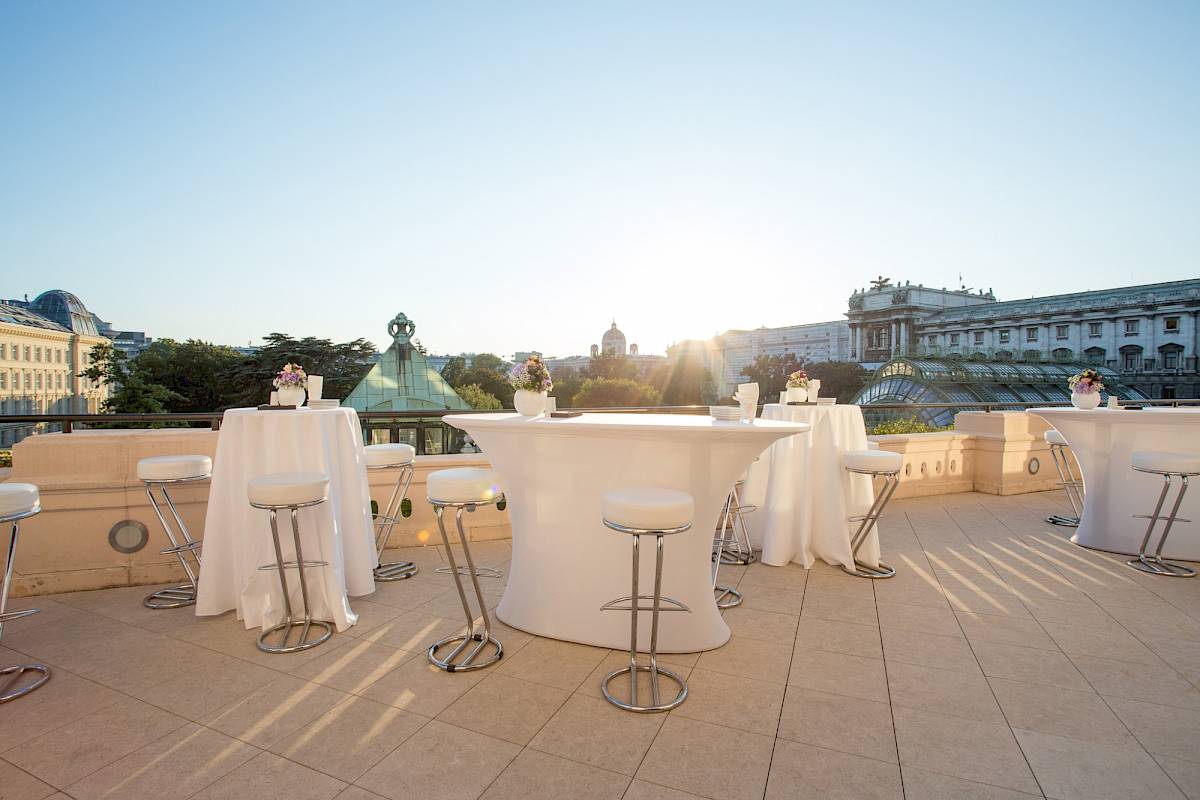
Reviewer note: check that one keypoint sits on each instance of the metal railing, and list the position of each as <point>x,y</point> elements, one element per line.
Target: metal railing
<point>425,430</point>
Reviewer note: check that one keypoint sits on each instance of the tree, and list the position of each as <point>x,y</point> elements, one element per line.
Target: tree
<point>487,371</point>
<point>615,392</point>
<point>477,398</point>
<point>771,373</point>
<point>196,371</point>
<point>840,379</point>
<point>606,365</point>
<point>684,381</point>
<point>131,393</point>
<point>453,371</point>
<point>567,382</point>
<point>342,365</point>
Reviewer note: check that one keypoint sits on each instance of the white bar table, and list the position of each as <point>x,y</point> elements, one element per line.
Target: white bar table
<point>565,563</point>
<point>804,495</point>
<point>1102,440</point>
<point>237,538</point>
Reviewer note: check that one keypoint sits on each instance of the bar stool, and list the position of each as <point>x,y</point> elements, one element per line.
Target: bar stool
<point>1169,465</point>
<point>646,512</point>
<point>293,491</point>
<point>464,489</point>
<point>873,463</point>
<point>727,596</point>
<point>17,501</point>
<point>161,472</point>
<point>732,543</point>
<point>1066,479</point>
<point>403,458</point>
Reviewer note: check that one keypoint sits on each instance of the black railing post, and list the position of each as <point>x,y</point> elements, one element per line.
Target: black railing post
<point>66,426</point>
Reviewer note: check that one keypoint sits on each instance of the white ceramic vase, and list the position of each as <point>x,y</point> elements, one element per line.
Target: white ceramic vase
<point>797,394</point>
<point>529,404</point>
<point>291,396</point>
<point>1085,401</point>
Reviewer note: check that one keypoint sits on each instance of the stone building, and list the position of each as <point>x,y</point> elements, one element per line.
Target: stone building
<point>44,345</point>
<point>613,344</point>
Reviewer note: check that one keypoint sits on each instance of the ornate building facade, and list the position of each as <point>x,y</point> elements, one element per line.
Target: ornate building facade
<point>44,345</point>
<point>612,344</point>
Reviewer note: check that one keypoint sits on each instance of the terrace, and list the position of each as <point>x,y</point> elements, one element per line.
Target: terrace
<point>1001,662</point>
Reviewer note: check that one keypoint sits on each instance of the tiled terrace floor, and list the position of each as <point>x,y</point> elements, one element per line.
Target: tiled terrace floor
<point>1002,662</point>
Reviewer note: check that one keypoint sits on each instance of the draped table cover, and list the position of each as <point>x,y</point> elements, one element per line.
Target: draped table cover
<point>1103,440</point>
<point>237,538</point>
<point>804,495</point>
<point>566,563</point>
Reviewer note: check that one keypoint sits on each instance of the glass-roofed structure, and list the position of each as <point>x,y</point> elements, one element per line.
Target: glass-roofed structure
<point>403,380</point>
<point>952,380</point>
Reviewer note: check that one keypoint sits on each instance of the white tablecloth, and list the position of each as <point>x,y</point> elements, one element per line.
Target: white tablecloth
<point>1102,441</point>
<point>565,563</point>
<point>237,538</point>
<point>804,495</point>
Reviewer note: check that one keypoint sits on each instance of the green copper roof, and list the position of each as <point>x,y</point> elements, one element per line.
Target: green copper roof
<point>403,380</point>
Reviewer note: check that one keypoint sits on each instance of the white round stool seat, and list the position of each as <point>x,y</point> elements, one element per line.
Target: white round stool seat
<point>1179,463</point>
<point>463,485</point>
<point>872,461</point>
<point>288,488</point>
<point>390,455</point>
<point>872,445</point>
<point>17,498</point>
<point>1054,437</point>
<point>648,509</point>
<point>174,468</point>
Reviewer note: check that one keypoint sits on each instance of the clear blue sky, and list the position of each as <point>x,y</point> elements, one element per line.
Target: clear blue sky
<point>514,175</point>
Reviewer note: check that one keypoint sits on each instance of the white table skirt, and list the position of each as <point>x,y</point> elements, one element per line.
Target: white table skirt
<point>804,495</point>
<point>1102,441</point>
<point>565,563</point>
<point>237,538</point>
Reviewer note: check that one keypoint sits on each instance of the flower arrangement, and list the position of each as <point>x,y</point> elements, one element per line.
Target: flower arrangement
<point>797,380</point>
<point>531,375</point>
<point>1086,382</point>
<point>292,376</point>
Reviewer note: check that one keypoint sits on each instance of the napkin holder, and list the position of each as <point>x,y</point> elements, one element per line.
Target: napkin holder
<point>269,407</point>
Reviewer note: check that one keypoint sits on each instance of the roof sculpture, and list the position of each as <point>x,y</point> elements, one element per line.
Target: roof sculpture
<point>403,380</point>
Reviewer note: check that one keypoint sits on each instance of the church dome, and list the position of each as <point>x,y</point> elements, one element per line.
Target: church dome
<point>613,341</point>
<point>67,310</point>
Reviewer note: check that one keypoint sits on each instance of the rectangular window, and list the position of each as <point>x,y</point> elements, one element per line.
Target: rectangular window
<point>3,380</point>
<point>1062,331</point>
<point>978,337</point>
<point>28,353</point>
<point>933,340</point>
<point>1031,334</point>
<point>58,356</point>
<point>39,380</point>
<point>1095,329</point>
<point>953,338</point>
<point>58,381</point>
<point>1004,337</point>
<point>1171,359</point>
<point>1129,361</point>
<point>1168,393</point>
<point>37,354</point>
<point>1131,327</point>
<point>1148,363</point>
<point>3,351</point>
<point>1171,325</point>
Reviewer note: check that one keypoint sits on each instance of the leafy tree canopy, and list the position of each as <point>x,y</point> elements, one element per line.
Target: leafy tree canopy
<point>342,365</point>
<point>487,371</point>
<point>610,366</point>
<point>684,382</point>
<point>196,371</point>
<point>131,393</point>
<point>477,398</point>
<point>771,373</point>
<point>615,392</point>
<point>840,379</point>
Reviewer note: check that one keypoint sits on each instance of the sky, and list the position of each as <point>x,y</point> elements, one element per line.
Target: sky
<point>515,176</point>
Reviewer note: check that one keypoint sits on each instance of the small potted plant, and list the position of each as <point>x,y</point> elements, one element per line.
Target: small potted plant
<point>1085,389</point>
<point>797,387</point>
<point>290,382</point>
<point>532,381</point>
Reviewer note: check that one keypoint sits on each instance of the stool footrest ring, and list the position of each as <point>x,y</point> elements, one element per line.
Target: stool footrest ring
<point>1157,566</point>
<point>183,548</point>
<point>9,690</point>
<point>1059,519</point>
<point>865,571</point>
<point>1158,517</point>
<point>292,565</point>
<point>727,597</point>
<point>667,604</point>
<point>397,571</point>
<point>480,572</point>
<point>469,663</point>
<point>171,597</point>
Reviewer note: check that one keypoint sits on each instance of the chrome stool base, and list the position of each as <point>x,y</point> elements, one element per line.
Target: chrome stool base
<point>733,560</point>
<point>727,597</point>
<point>861,570</point>
<point>9,689</point>
<point>398,571</point>
<point>1071,485</point>
<point>1157,566</point>
<point>304,643</point>
<point>469,663</point>
<point>172,597</point>
<point>478,572</point>
<point>657,704</point>
<point>1059,519</point>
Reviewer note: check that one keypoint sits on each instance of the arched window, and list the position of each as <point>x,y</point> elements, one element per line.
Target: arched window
<point>1062,354</point>
<point>1004,355</point>
<point>1131,358</point>
<point>1031,355</point>
<point>1095,356</point>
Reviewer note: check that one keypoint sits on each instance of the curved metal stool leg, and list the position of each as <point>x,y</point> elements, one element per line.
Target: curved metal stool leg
<point>725,596</point>
<point>482,639</point>
<point>656,703</point>
<point>861,570</point>
<point>741,552</point>
<point>1066,479</point>
<point>187,551</point>
<point>397,570</point>
<point>290,623</point>
<point>12,683</point>
<point>1155,564</point>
